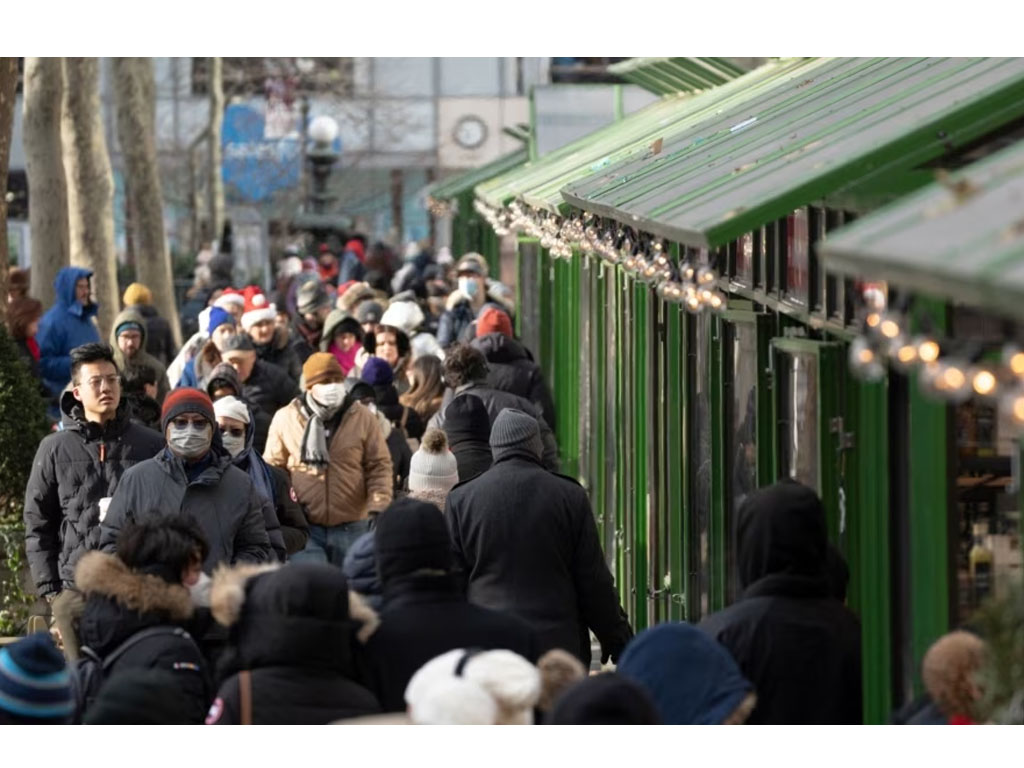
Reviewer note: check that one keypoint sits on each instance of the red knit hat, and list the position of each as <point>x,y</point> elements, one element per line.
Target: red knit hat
<point>493,320</point>
<point>257,308</point>
<point>187,400</point>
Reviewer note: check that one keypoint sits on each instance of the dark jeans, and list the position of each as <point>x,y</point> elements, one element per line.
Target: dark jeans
<point>329,544</point>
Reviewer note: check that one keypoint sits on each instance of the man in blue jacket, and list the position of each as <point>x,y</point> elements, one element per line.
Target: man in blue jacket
<point>68,324</point>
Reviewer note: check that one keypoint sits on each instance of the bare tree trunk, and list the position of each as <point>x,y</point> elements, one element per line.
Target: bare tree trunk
<point>8,87</point>
<point>216,189</point>
<point>90,185</point>
<point>136,131</point>
<point>195,197</point>
<point>47,189</point>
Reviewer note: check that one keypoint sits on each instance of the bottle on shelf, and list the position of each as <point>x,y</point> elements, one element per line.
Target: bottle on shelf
<point>980,559</point>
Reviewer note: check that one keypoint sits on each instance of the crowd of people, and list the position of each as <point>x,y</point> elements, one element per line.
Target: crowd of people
<point>340,503</point>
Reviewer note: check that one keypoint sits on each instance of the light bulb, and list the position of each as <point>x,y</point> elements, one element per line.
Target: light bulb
<point>906,353</point>
<point>864,362</point>
<point>927,350</point>
<point>1017,408</point>
<point>889,328</point>
<point>687,271</point>
<point>873,319</point>
<point>706,276</point>
<point>716,301</point>
<point>983,381</point>
<point>1014,358</point>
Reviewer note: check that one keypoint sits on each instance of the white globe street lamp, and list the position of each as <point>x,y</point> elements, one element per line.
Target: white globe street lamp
<point>323,130</point>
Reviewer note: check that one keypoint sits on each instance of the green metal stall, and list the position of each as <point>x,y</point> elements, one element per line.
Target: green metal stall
<point>669,418</point>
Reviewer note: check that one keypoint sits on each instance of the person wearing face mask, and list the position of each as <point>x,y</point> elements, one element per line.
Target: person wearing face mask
<point>336,457</point>
<point>195,474</point>
<point>237,429</point>
<point>465,301</point>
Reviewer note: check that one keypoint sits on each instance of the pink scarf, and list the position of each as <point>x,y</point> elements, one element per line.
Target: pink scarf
<point>346,360</point>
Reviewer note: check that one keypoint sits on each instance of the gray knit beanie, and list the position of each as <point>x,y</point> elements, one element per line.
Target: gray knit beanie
<point>433,466</point>
<point>515,431</point>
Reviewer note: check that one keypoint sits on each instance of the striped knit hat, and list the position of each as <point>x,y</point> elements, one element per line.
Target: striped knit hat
<point>187,400</point>
<point>35,685</point>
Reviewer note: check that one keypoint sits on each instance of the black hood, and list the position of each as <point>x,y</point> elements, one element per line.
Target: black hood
<point>411,536</point>
<point>499,348</point>
<point>73,419</point>
<point>296,616</point>
<point>781,532</point>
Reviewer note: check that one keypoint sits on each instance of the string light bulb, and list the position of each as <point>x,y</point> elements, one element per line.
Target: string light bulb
<point>864,361</point>
<point>928,350</point>
<point>984,381</point>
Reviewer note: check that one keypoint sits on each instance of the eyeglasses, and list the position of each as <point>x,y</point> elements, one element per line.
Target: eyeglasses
<point>184,422</point>
<point>95,382</point>
<point>233,431</point>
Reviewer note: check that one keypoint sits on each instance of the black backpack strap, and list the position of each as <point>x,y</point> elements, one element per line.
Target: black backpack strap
<point>138,637</point>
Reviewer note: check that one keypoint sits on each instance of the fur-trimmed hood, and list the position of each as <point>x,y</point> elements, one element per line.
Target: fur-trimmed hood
<point>229,593</point>
<point>98,573</point>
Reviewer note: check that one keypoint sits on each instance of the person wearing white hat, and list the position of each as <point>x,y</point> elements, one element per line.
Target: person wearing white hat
<point>237,429</point>
<point>408,316</point>
<point>510,682</point>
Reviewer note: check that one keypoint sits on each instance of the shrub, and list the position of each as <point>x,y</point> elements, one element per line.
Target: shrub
<point>23,424</point>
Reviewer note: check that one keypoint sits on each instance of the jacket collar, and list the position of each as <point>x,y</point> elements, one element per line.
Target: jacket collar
<point>73,419</point>
<point>175,467</point>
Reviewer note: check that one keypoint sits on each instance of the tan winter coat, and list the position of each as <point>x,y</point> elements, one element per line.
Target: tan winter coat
<point>358,478</point>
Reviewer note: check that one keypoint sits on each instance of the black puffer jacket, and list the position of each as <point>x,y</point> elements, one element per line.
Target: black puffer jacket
<point>798,646</point>
<point>527,543</point>
<point>292,629</point>
<point>121,602</point>
<point>496,400</point>
<point>233,515</point>
<point>74,469</point>
<point>511,369</point>
<point>269,388</point>
<point>279,351</point>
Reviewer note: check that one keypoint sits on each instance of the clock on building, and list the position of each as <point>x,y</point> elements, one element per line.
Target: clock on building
<point>470,132</point>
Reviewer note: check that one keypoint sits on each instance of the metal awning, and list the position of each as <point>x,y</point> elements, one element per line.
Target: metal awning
<point>961,239</point>
<point>665,75</point>
<point>452,187</point>
<point>791,141</point>
<point>539,183</point>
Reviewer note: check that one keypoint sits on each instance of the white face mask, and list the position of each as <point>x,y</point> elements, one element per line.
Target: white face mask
<point>234,445</point>
<point>469,286</point>
<point>329,395</point>
<point>191,442</point>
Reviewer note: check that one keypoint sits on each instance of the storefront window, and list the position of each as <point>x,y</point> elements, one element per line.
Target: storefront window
<point>987,549</point>
<point>797,256</point>
<point>799,420</point>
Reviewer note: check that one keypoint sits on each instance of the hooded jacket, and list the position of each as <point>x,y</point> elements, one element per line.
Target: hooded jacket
<point>234,517</point>
<point>424,612</point>
<point>359,476</point>
<point>73,469</point>
<point>142,357</point>
<point>526,541</point>
<point>279,352</point>
<point>297,630</point>
<point>496,400</point>
<point>66,325</point>
<point>121,602</point>
<point>691,679</point>
<point>798,646</point>
<point>511,369</point>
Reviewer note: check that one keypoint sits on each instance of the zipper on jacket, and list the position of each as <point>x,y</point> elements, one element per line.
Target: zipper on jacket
<point>103,451</point>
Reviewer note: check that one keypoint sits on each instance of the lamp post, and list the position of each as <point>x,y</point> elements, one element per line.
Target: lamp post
<point>318,220</point>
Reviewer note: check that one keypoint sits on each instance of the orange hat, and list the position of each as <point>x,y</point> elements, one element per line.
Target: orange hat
<point>319,366</point>
<point>493,320</point>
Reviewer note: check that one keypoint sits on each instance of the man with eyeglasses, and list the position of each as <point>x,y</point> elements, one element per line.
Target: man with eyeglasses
<point>74,474</point>
<point>195,474</point>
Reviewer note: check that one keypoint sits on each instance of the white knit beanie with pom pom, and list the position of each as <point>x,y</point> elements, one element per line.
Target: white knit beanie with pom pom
<point>511,683</point>
<point>433,466</point>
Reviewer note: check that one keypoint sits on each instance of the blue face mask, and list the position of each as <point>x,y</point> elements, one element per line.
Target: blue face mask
<point>469,286</point>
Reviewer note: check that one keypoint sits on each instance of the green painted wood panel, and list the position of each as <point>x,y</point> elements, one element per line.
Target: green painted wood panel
<point>791,142</point>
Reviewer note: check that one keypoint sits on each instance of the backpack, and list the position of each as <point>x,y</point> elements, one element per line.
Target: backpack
<point>89,671</point>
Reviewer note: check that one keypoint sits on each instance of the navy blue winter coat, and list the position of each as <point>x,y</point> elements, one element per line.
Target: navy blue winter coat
<point>66,325</point>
